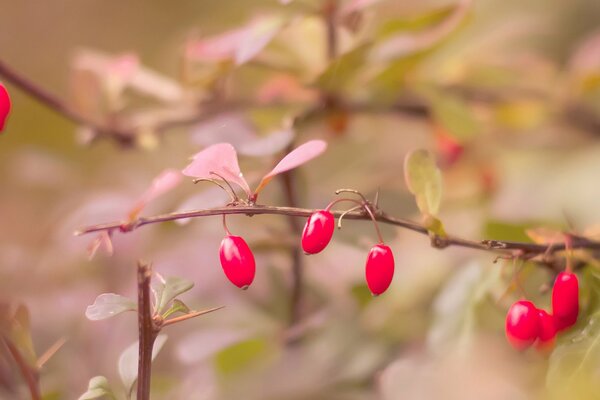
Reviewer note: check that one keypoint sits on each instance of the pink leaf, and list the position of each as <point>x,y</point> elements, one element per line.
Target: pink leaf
<point>294,159</point>
<point>164,182</point>
<point>219,158</point>
<point>258,34</point>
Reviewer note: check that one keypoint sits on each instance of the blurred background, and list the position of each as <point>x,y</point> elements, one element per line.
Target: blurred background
<point>505,94</point>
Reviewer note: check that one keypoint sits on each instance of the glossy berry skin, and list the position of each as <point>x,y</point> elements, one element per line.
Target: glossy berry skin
<point>565,300</point>
<point>379,270</point>
<point>5,106</point>
<point>317,232</point>
<point>547,330</point>
<point>237,261</point>
<point>522,324</point>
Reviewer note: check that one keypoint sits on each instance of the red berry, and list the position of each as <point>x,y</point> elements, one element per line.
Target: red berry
<point>522,324</point>
<point>4,106</point>
<point>317,232</point>
<point>237,261</point>
<point>565,300</point>
<point>547,330</point>
<point>380,269</point>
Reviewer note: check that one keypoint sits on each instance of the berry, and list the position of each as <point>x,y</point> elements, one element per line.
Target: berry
<point>317,232</point>
<point>237,261</point>
<point>547,330</point>
<point>4,106</point>
<point>565,300</point>
<point>522,324</point>
<point>380,269</point>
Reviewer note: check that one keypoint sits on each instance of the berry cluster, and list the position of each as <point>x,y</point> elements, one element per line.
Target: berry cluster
<point>239,266</point>
<point>526,324</point>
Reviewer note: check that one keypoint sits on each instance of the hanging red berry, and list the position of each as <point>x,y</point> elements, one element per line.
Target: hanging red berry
<point>317,232</point>
<point>522,324</point>
<point>237,261</point>
<point>379,269</point>
<point>565,300</point>
<point>547,330</point>
<point>5,106</point>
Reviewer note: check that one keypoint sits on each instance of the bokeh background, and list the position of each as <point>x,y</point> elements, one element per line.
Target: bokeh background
<point>516,85</point>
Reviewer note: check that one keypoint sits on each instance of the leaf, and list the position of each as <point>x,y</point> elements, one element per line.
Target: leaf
<point>455,115</point>
<point>128,361</point>
<point>424,180</point>
<point>176,306</point>
<point>220,158</point>
<point>267,145</point>
<point>256,37</point>
<point>108,305</point>
<point>357,5</point>
<point>240,355</point>
<point>202,344</point>
<point>340,73</point>
<point>169,289</point>
<point>97,387</point>
<point>163,183</point>
<point>294,159</point>
<point>239,45</point>
<point>233,128</point>
<point>574,362</point>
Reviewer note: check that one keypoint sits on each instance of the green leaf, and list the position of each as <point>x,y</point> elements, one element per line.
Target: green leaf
<point>239,356</point>
<point>168,289</point>
<point>455,115</point>
<point>575,361</point>
<point>128,361</point>
<point>424,180</point>
<point>97,387</point>
<point>414,23</point>
<point>108,305</point>
<point>176,306</point>
<point>342,70</point>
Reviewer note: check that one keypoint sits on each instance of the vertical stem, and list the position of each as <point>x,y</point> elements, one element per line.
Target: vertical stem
<point>297,267</point>
<point>329,16</point>
<point>147,331</point>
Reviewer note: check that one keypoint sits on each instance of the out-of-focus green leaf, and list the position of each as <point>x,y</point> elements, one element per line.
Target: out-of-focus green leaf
<point>424,180</point>
<point>342,70</point>
<point>97,388</point>
<point>362,294</point>
<point>498,230</point>
<point>108,305</point>
<point>239,356</point>
<point>455,115</point>
<point>128,361</point>
<point>574,364</point>
<point>415,22</point>
<point>521,114</point>
<point>170,288</point>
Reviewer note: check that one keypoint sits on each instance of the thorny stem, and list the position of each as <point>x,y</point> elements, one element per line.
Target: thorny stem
<point>528,249</point>
<point>147,331</point>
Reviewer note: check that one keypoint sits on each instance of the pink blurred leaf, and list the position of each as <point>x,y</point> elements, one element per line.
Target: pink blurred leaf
<point>231,128</point>
<point>163,183</point>
<point>220,158</point>
<point>294,159</point>
<point>357,5</point>
<point>586,58</point>
<point>267,145</point>
<point>103,239</point>
<point>238,45</point>
<point>285,87</point>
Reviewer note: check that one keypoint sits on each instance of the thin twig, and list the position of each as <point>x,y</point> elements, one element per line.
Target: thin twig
<point>488,245</point>
<point>147,331</point>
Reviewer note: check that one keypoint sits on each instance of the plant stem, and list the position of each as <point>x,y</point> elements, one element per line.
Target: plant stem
<point>147,331</point>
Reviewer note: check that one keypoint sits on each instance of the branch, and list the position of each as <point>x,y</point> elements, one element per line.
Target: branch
<point>147,331</point>
<point>528,249</point>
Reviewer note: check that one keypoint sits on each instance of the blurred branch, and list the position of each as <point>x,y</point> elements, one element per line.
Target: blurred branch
<point>30,375</point>
<point>527,250</point>
<point>147,331</point>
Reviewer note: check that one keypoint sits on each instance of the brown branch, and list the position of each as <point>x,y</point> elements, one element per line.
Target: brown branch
<point>527,249</point>
<point>147,331</point>
<point>30,375</point>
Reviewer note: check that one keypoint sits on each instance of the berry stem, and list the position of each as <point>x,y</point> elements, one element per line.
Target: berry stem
<point>569,252</point>
<point>225,225</point>
<point>234,195</point>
